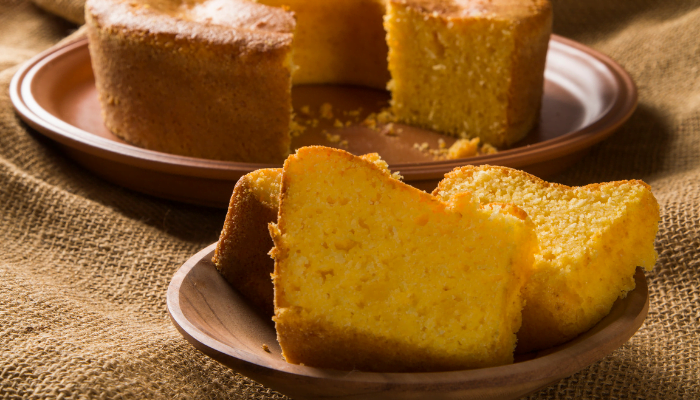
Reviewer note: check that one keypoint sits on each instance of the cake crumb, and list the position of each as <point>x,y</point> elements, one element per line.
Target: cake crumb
<point>385,116</point>
<point>421,146</point>
<point>295,128</point>
<point>488,149</point>
<point>264,347</point>
<point>389,129</point>
<point>338,124</point>
<point>331,137</point>
<point>305,110</point>
<point>326,111</point>
<point>354,113</point>
<point>463,148</point>
<point>370,121</point>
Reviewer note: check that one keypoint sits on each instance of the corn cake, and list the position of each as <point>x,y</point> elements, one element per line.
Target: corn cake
<point>241,253</point>
<point>373,274</point>
<point>592,238</point>
<point>213,78</point>
<point>469,68</point>
<point>208,78</point>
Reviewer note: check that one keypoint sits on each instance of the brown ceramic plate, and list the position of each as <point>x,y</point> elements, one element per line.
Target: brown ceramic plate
<point>587,97</point>
<point>216,320</point>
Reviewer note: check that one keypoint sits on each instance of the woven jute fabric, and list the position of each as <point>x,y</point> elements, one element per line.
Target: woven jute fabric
<point>85,264</point>
<point>72,10</point>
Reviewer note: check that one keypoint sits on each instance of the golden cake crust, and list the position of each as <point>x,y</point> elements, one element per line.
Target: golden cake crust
<point>179,79</point>
<point>210,23</point>
<point>469,170</point>
<point>241,253</point>
<point>499,9</point>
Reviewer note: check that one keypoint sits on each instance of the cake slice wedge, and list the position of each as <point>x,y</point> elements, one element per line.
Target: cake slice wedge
<point>375,275</point>
<point>241,254</point>
<point>592,239</point>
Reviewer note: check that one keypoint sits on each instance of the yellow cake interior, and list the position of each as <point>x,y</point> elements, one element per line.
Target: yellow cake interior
<point>264,184</point>
<point>339,41</point>
<point>373,274</point>
<point>592,239</point>
<point>466,68</point>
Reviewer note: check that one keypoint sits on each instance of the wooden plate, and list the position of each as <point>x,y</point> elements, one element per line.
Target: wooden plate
<point>587,97</point>
<point>216,320</point>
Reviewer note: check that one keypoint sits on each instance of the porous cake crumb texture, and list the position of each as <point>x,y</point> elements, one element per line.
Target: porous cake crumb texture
<point>265,186</point>
<point>592,238</point>
<point>469,69</point>
<point>375,275</point>
<point>339,41</point>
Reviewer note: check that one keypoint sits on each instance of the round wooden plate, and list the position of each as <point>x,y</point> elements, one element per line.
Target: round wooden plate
<point>587,97</point>
<point>216,320</point>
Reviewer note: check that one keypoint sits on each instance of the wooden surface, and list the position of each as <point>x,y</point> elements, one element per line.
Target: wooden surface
<point>587,97</point>
<point>216,320</point>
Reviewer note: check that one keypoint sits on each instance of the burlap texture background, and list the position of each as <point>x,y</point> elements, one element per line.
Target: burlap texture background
<point>84,264</point>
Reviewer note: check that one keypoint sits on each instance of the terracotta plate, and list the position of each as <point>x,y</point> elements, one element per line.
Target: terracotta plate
<point>587,97</point>
<point>216,320</point>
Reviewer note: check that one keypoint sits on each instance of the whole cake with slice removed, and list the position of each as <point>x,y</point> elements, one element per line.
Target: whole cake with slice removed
<point>213,78</point>
<point>375,275</point>
<point>592,239</point>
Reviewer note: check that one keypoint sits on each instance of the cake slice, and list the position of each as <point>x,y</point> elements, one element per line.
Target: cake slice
<point>241,254</point>
<point>375,275</point>
<point>470,68</point>
<point>592,238</point>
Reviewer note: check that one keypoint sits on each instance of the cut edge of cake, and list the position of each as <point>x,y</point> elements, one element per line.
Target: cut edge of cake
<point>570,291</point>
<point>310,339</point>
<point>241,252</point>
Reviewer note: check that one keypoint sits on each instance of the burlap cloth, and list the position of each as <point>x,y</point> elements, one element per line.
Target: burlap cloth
<point>84,264</point>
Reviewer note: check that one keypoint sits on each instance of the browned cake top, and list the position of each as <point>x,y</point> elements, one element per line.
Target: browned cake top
<point>506,9</point>
<point>256,26</point>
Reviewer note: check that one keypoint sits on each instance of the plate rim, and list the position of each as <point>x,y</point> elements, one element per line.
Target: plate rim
<point>559,361</point>
<point>56,129</point>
